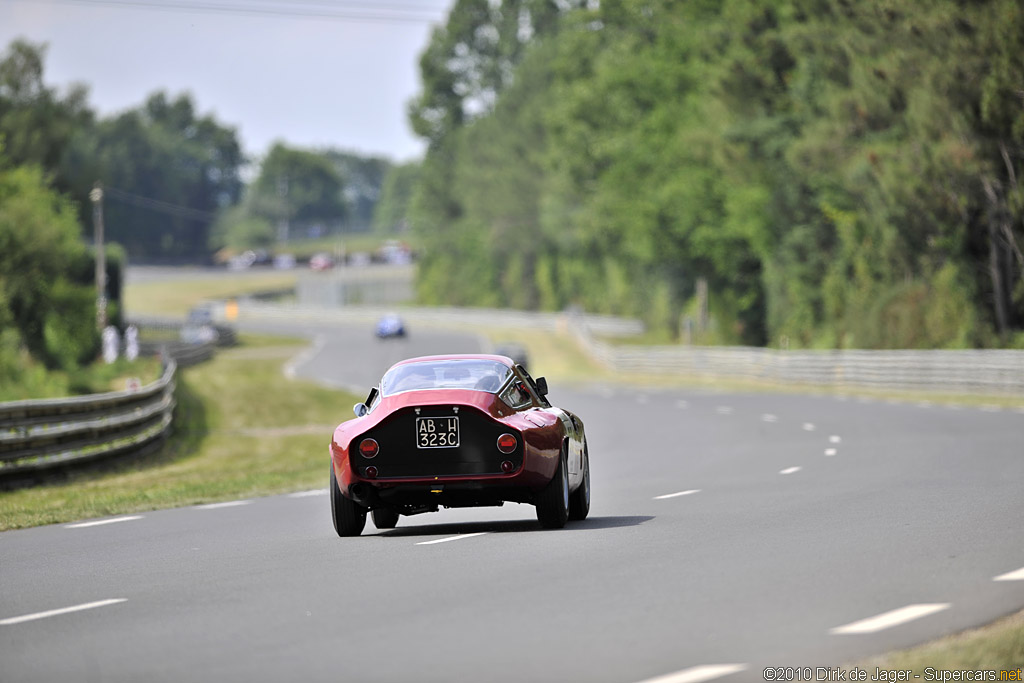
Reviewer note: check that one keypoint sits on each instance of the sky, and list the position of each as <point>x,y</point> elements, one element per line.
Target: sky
<point>312,73</point>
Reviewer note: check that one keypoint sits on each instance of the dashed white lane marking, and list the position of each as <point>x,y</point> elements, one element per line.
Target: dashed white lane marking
<point>890,619</point>
<point>307,494</point>
<point>453,538</point>
<point>1017,575</point>
<point>696,674</point>
<point>830,451</point>
<point>686,404</point>
<point>834,439</point>
<point>767,417</point>
<point>101,522</point>
<point>724,410</point>
<point>229,504</point>
<point>56,612</point>
<point>676,495</point>
<point>808,427</point>
<point>790,470</point>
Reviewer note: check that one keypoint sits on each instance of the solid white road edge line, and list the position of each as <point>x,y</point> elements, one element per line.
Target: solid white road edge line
<point>101,522</point>
<point>696,674</point>
<point>676,495</point>
<point>890,619</point>
<point>229,504</point>
<point>453,538</point>
<point>789,470</point>
<point>63,610</point>
<point>1017,575</point>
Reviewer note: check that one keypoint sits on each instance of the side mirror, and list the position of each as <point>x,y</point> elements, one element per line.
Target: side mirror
<point>360,409</point>
<point>542,386</point>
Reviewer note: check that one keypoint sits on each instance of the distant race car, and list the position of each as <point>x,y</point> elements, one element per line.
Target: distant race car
<point>457,431</point>
<point>390,326</point>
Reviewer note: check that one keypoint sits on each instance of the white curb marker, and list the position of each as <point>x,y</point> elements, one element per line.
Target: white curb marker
<point>63,610</point>
<point>890,619</point>
<point>697,674</point>
<point>229,504</point>
<point>1011,576</point>
<point>453,538</point>
<point>101,522</point>
<point>676,495</point>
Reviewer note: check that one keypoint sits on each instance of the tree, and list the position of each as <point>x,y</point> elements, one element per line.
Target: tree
<point>54,316</point>
<point>164,151</point>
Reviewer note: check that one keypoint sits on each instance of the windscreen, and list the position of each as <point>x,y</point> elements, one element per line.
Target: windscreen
<point>481,375</point>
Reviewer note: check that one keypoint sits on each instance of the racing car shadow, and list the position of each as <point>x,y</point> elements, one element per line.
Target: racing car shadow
<point>513,526</point>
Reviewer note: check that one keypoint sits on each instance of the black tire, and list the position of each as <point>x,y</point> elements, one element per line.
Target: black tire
<point>349,517</point>
<point>553,501</point>
<point>385,518</point>
<point>579,500</point>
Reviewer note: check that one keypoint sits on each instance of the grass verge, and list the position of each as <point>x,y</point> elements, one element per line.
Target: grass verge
<point>178,297</point>
<point>226,445</point>
<point>998,647</point>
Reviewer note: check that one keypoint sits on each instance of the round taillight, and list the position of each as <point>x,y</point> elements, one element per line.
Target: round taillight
<point>368,448</point>
<point>507,443</point>
<point>371,472</point>
<point>507,466</point>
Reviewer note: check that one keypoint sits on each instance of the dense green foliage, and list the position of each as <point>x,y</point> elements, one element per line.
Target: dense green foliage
<point>840,174</point>
<point>44,310</point>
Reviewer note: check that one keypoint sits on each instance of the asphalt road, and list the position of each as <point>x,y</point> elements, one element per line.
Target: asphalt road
<point>728,533</point>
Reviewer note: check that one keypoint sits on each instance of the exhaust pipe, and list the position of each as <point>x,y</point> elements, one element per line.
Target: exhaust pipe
<point>360,493</point>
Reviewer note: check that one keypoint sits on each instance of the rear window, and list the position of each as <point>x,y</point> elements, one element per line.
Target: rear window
<point>477,374</point>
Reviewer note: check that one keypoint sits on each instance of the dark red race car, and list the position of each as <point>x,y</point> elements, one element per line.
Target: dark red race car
<point>457,431</point>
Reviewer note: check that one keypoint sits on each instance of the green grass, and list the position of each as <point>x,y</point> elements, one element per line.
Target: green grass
<point>178,297</point>
<point>241,430</point>
<point>36,382</point>
<point>998,646</point>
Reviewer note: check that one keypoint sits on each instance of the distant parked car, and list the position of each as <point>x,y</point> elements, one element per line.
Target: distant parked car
<point>321,261</point>
<point>284,261</point>
<point>390,326</point>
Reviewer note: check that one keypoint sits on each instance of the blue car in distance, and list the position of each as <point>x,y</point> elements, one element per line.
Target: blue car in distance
<point>390,326</point>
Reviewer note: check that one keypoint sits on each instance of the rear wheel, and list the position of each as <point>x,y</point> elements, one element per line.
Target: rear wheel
<point>553,501</point>
<point>579,501</point>
<point>349,517</point>
<point>385,518</point>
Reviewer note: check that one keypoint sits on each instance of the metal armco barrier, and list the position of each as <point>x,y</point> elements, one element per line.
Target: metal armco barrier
<point>41,434</point>
<point>980,371</point>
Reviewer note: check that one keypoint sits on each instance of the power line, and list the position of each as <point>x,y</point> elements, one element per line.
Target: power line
<point>340,10</point>
<point>159,206</point>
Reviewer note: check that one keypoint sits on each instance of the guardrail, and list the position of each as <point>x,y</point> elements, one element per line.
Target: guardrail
<point>981,371</point>
<point>43,434</point>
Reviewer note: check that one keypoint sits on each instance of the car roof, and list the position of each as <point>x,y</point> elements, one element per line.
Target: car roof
<point>505,360</point>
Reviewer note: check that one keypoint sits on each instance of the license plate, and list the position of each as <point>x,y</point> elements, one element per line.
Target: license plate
<point>437,432</point>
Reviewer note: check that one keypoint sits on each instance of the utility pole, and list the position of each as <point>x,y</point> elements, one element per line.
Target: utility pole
<point>96,195</point>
